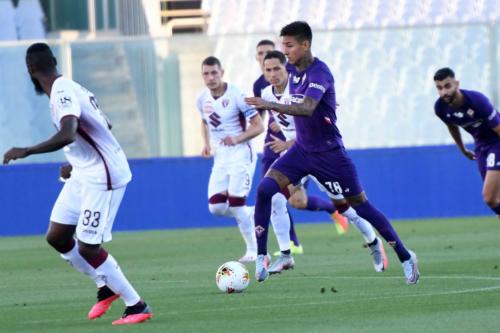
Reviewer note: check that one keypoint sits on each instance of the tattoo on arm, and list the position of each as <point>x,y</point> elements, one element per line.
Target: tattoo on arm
<point>304,109</point>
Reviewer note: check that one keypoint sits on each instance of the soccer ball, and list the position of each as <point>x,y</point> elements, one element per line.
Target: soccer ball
<point>232,277</point>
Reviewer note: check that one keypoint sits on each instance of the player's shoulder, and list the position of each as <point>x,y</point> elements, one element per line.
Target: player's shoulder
<point>439,106</point>
<point>319,67</point>
<point>203,94</point>
<point>61,84</point>
<point>474,96</point>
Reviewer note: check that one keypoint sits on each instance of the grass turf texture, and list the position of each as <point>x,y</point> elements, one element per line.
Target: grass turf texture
<point>174,271</point>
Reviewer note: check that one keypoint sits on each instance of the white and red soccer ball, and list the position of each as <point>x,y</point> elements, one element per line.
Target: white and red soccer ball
<point>232,277</point>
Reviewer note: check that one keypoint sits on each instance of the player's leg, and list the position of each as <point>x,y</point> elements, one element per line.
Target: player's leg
<point>240,183</point>
<point>342,178</point>
<point>291,167</point>
<point>281,222</point>
<point>490,172</point>
<point>217,191</point>
<point>98,212</point>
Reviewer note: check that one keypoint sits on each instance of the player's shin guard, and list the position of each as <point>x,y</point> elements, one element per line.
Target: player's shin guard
<point>363,226</point>
<point>75,259</point>
<point>384,227</point>
<point>281,221</point>
<point>268,187</point>
<point>116,280</point>
<point>243,216</point>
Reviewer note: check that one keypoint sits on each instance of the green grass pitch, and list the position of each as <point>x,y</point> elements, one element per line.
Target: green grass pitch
<point>174,271</point>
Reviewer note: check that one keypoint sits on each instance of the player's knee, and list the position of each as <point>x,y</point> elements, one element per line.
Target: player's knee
<point>88,251</point>
<point>217,204</point>
<point>267,188</point>
<point>491,200</point>
<point>61,245</point>
<point>298,202</point>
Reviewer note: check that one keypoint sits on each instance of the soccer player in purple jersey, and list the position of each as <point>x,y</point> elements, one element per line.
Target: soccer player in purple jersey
<point>299,199</point>
<point>473,112</point>
<point>318,149</point>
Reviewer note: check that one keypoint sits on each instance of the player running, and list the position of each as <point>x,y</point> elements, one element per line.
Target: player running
<point>226,135</point>
<point>472,111</point>
<point>278,92</point>
<point>97,177</point>
<point>318,149</point>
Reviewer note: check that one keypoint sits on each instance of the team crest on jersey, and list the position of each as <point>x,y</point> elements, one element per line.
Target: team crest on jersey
<point>470,112</point>
<point>458,114</point>
<point>296,79</point>
<point>225,103</point>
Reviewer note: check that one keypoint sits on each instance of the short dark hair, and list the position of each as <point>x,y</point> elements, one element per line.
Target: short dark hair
<point>443,73</point>
<point>298,29</point>
<point>211,61</point>
<point>266,42</point>
<point>40,56</point>
<point>276,55</point>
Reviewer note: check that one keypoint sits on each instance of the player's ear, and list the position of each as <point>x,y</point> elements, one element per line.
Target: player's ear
<point>222,72</point>
<point>458,84</point>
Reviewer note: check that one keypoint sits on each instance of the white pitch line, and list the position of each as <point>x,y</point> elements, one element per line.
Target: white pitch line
<point>380,276</point>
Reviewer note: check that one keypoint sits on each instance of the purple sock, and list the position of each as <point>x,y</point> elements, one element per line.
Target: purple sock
<point>315,203</point>
<point>293,235</point>
<point>496,210</point>
<point>268,187</point>
<point>384,227</point>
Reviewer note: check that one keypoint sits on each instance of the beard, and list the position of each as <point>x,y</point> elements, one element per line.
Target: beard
<point>38,87</point>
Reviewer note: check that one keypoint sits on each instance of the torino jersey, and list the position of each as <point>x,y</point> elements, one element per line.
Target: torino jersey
<point>477,116</point>
<point>286,122</point>
<point>98,160</point>
<point>226,116</point>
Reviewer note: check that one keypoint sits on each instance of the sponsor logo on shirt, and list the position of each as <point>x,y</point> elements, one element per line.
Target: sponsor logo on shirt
<point>297,98</point>
<point>317,86</point>
<point>296,79</point>
<point>214,119</point>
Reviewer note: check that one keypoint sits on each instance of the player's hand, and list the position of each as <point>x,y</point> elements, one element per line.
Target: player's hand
<point>14,154</point>
<point>65,171</point>
<point>229,141</point>
<point>256,102</point>
<point>275,127</point>
<point>277,145</point>
<point>469,154</point>
<point>206,152</point>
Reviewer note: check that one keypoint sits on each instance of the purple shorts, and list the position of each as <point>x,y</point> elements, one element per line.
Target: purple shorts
<point>332,168</point>
<point>488,158</point>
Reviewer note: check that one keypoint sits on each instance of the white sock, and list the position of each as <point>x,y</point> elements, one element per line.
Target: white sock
<point>281,221</point>
<point>363,225</point>
<point>116,281</point>
<point>221,209</point>
<point>244,217</point>
<point>74,258</point>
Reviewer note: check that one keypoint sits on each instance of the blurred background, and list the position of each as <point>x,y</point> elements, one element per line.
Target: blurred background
<point>142,60</point>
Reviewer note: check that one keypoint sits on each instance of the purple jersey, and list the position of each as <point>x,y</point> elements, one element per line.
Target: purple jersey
<point>318,132</point>
<point>477,116</point>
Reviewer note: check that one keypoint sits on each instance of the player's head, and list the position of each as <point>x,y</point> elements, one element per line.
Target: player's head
<point>446,84</point>
<point>40,61</point>
<point>275,68</point>
<point>296,39</point>
<point>262,48</point>
<point>212,72</point>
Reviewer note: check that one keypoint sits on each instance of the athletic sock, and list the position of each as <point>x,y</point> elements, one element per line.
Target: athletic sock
<point>315,203</point>
<point>281,221</point>
<point>361,224</point>
<point>75,259</point>
<point>243,215</point>
<point>384,227</point>
<point>268,187</point>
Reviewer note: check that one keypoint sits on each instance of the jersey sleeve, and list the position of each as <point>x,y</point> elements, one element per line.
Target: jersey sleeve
<point>485,110</point>
<point>319,82</point>
<point>438,112</point>
<point>247,110</point>
<point>256,89</point>
<point>66,103</point>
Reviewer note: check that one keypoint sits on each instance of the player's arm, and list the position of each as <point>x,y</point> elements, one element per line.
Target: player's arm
<point>457,137</point>
<point>65,136</point>
<point>278,145</point>
<point>207,149</point>
<point>255,128</point>
<point>497,129</point>
<point>304,109</point>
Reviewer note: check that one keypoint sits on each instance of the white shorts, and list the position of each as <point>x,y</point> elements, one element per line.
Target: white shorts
<point>235,178</point>
<point>93,211</point>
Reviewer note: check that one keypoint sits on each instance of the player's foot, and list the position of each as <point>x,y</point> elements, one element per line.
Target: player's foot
<point>341,223</point>
<point>135,314</point>
<point>379,258</point>
<point>261,265</point>
<point>248,257</point>
<point>283,263</point>
<point>296,249</point>
<point>410,269</point>
<point>105,297</point>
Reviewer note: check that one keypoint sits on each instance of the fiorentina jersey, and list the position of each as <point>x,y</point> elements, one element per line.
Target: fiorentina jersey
<point>318,132</point>
<point>476,116</point>
<point>98,160</point>
<point>226,115</point>
<point>285,121</point>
